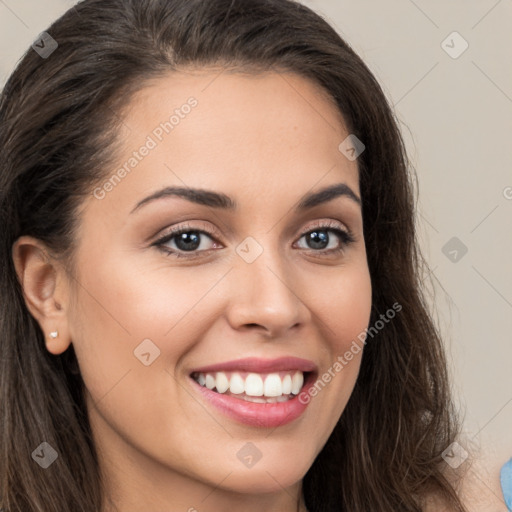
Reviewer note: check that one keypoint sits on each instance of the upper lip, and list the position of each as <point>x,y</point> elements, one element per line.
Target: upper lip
<point>258,365</point>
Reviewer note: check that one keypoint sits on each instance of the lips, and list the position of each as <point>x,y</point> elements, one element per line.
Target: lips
<point>268,405</point>
<point>257,365</point>
<point>243,384</point>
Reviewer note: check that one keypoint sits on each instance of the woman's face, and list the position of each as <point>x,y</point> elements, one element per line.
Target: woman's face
<point>257,274</point>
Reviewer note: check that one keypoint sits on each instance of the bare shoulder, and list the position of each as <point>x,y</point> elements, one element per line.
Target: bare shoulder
<point>478,487</point>
<point>481,488</point>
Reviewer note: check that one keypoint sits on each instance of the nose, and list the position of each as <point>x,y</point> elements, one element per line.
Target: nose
<point>263,297</point>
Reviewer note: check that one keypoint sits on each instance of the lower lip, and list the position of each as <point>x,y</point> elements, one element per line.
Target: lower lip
<point>258,414</point>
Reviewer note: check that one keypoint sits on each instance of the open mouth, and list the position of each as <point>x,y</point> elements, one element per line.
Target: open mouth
<point>272,387</point>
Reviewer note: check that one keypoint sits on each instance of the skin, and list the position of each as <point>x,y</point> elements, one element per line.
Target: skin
<point>266,141</point>
<point>478,485</point>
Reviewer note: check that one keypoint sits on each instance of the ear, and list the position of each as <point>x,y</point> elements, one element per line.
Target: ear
<point>45,290</point>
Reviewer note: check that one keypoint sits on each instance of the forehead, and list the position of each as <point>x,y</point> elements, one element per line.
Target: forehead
<point>268,134</point>
<point>223,88</point>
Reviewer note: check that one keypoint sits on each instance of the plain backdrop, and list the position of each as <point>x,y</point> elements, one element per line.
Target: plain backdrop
<point>452,94</point>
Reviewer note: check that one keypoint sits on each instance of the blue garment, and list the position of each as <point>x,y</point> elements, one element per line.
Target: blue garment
<point>506,483</point>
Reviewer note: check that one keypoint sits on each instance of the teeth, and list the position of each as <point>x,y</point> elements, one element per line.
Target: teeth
<point>268,388</point>
<point>236,384</point>
<point>221,382</point>
<point>209,381</point>
<point>297,381</point>
<point>253,385</point>
<point>273,385</point>
<point>287,385</point>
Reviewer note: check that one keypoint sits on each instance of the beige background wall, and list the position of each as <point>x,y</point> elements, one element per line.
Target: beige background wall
<point>456,115</point>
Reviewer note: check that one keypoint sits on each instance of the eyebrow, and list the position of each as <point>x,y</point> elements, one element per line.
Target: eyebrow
<point>220,200</point>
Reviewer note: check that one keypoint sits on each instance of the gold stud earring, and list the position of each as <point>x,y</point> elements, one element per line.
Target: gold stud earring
<point>54,334</point>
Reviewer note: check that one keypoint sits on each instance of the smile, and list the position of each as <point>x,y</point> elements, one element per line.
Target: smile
<point>256,392</point>
<point>254,387</point>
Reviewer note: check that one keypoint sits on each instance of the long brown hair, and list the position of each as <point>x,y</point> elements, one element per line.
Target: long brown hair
<point>58,122</point>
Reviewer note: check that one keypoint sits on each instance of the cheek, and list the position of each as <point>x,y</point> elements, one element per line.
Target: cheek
<point>350,310</point>
<point>342,305</point>
<point>342,301</point>
<point>131,329</point>
<point>135,303</point>
<point>121,307</point>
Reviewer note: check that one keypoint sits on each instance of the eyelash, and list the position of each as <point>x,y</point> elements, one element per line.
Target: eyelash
<point>346,238</point>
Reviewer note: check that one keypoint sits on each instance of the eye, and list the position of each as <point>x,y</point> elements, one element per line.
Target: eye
<point>186,239</point>
<point>189,242</point>
<point>319,240</point>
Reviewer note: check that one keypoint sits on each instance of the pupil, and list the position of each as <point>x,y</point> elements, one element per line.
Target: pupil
<point>188,241</point>
<point>318,239</point>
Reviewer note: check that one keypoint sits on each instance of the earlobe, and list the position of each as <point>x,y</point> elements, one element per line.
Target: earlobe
<point>44,291</point>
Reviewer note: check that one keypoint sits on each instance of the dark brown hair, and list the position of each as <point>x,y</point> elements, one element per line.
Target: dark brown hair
<point>58,122</point>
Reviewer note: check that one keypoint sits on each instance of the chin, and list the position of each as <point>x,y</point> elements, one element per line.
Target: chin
<point>266,478</point>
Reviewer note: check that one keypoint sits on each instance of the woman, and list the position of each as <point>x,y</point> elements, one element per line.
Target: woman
<point>210,276</point>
